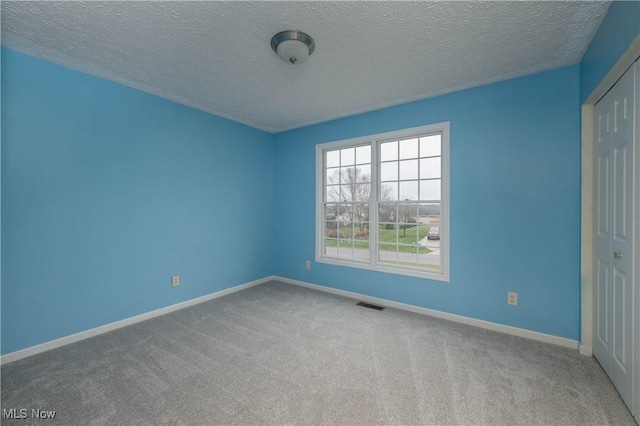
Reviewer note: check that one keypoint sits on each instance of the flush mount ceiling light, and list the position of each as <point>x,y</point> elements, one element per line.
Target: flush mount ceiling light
<point>293,46</point>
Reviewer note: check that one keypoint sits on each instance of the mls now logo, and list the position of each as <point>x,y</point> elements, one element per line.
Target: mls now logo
<point>23,413</point>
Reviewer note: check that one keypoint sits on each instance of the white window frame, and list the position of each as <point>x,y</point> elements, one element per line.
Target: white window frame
<point>374,141</point>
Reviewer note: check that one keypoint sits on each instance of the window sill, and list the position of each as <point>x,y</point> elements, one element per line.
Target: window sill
<point>429,275</point>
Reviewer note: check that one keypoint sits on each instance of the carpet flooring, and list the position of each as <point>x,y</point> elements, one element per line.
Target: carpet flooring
<point>280,354</point>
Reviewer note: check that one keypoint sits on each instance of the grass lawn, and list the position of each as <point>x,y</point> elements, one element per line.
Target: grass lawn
<point>409,236</point>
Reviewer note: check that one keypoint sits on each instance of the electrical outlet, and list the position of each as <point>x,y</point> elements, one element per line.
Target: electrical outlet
<point>512,298</point>
<point>175,281</point>
<point>308,264</point>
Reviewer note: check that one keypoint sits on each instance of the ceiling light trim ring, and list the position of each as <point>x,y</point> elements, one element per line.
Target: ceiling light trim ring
<point>293,35</point>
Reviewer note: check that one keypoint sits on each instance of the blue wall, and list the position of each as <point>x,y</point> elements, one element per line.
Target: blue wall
<point>616,33</point>
<point>107,192</point>
<point>515,203</point>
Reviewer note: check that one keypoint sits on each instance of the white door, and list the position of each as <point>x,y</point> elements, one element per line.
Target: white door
<point>614,233</point>
<point>602,243</point>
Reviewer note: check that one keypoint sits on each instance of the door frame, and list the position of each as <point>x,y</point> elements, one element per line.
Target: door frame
<point>587,255</point>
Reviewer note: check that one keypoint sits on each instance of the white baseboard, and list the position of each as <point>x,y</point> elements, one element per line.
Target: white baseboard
<point>521,332</point>
<point>586,350</point>
<point>53,344</point>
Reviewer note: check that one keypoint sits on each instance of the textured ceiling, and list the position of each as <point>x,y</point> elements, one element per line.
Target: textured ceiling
<point>216,56</point>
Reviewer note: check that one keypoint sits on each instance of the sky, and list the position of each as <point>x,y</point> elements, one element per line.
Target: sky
<point>410,169</point>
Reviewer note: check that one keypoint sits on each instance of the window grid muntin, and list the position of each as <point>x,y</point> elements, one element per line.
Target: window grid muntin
<point>349,161</point>
<point>442,200</point>
<point>348,182</point>
<point>415,176</point>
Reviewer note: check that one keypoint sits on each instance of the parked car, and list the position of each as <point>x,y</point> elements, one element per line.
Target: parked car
<point>433,234</point>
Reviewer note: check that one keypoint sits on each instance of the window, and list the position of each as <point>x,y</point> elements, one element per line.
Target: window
<point>383,202</point>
